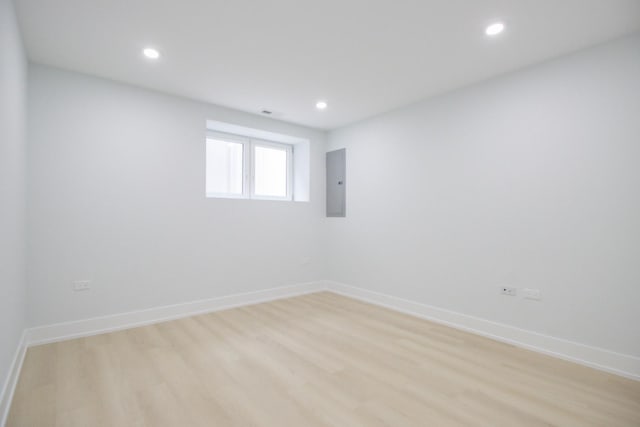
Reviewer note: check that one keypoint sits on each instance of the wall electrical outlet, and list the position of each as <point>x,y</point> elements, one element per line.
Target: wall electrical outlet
<point>533,294</point>
<point>81,285</point>
<point>508,291</point>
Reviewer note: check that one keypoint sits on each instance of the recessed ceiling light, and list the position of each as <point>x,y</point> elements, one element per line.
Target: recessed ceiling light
<point>321,105</point>
<point>494,29</point>
<point>151,53</point>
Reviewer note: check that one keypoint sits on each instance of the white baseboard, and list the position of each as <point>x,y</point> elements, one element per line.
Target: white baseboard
<point>598,358</point>
<point>99,325</point>
<point>9,387</point>
<point>616,363</point>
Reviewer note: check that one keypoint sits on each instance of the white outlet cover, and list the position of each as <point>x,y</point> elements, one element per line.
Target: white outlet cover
<point>506,290</point>
<point>533,294</point>
<point>81,285</point>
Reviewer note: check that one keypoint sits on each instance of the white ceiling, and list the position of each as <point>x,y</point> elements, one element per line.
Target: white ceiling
<point>363,56</point>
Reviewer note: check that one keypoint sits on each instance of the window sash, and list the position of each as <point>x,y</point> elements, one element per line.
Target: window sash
<point>248,166</point>
<point>246,146</point>
<point>288,149</point>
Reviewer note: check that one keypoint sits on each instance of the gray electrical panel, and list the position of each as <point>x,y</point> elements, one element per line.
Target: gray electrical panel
<point>336,183</point>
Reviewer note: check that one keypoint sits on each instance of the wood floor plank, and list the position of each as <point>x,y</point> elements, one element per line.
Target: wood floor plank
<point>315,360</point>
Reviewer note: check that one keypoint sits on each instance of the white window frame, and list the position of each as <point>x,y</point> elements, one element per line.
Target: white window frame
<point>246,145</point>
<point>248,166</point>
<point>269,144</point>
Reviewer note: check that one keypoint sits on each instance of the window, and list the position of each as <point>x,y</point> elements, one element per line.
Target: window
<point>246,168</point>
<point>225,168</point>
<point>271,170</point>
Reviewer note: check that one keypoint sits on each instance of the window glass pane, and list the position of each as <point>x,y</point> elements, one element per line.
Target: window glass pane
<point>270,171</point>
<point>224,167</point>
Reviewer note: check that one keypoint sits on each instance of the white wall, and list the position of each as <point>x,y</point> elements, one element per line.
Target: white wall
<point>13,77</point>
<point>116,186</point>
<point>528,180</point>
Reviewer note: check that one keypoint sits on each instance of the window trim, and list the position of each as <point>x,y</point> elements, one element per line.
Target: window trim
<point>248,166</point>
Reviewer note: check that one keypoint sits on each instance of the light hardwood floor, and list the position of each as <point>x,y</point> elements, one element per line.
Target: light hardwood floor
<point>314,360</point>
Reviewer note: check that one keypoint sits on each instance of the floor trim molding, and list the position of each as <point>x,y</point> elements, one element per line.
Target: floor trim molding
<point>605,360</point>
<point>99,325</point>
<point>620,364</point>
<point>9,387</point>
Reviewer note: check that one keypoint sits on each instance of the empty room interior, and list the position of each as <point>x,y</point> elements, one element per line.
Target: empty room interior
<point>319,213</point>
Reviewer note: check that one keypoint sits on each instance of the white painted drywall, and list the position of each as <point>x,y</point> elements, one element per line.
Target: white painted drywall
<point>116,186</point>
<point>13,93</point>
<point>527,180</point>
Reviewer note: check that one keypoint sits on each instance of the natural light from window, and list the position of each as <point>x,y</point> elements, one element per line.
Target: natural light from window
<point>224,167</point>
<point>246,168</point>
<point>270,171</point>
